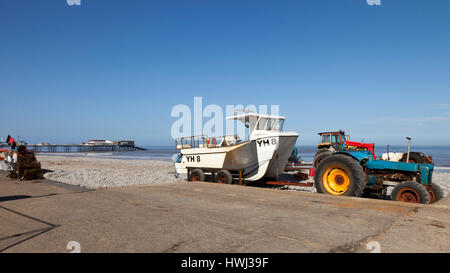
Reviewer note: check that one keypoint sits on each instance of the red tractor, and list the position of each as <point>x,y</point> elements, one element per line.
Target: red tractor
<point>331,142</point>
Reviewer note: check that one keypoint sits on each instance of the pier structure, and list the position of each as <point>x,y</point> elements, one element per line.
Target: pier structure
<point>74,148</point>
<point>90,146</point>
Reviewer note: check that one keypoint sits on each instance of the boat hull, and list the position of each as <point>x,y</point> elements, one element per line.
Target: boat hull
<point>281,156</point>
<point>265,156</point>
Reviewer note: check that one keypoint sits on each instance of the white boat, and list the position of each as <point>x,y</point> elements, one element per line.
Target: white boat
<point>263,155</point>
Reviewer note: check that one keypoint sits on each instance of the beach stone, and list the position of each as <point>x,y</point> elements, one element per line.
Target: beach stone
<point>95,173</point>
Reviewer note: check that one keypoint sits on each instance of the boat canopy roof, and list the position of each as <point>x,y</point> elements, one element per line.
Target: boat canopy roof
<point>248,116</point>
<point>260,122</point>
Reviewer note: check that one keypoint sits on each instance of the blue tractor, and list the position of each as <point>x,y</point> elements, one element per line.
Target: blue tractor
<point>357,173</point>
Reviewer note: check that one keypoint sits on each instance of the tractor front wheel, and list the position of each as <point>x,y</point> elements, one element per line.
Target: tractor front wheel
<point>340,174</point>
<point>321,155</point>
<point>411,192</point>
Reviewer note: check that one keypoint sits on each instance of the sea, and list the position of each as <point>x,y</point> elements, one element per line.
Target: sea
<point>440,154</point>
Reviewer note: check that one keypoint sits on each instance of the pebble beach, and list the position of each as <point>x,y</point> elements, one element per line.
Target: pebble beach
<point>95,173</point>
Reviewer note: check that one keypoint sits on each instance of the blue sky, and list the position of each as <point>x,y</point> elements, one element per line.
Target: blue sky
<point>114,69</point>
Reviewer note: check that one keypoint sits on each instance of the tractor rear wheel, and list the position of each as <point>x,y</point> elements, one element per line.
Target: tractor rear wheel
<point>197,175</point>
<point>340,174</point>
<point>321,155</point>
<point>415,157</point>
<point>411,192</point>
<point>436,193</point>
<point>224,177</point>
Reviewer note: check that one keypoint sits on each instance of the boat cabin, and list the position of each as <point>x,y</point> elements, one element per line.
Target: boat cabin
<point>256,123</point>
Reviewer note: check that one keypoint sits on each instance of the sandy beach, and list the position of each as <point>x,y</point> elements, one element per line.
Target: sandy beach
<point>94,173</point>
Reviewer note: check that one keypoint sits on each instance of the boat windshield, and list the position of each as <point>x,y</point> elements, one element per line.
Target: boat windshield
<point>270,124</point>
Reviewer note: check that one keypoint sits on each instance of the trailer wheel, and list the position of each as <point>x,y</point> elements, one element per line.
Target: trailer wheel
<point>321,155</point>
<point>435,192</point>
<point>224,177</point>
<point>411,192</point>
<point>197,175</point>
<point>340,174</point>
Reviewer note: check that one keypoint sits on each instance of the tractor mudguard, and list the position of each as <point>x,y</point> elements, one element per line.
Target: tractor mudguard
<point>426,170</point>
<point>366,160</point>
<point>358,155</point>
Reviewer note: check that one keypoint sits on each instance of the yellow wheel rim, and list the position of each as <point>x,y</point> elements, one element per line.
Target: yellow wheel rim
<point>336,181</point>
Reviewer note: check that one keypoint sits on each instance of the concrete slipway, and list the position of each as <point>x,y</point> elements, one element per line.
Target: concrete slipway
<point>44,216</point>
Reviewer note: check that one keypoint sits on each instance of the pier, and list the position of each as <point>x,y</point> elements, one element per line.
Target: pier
<point>91,146</point>
<point>80,148</point>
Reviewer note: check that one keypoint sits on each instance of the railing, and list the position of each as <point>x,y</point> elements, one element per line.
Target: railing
<point>74,148</point>
<point>191,142</point>
<point>205,142</point>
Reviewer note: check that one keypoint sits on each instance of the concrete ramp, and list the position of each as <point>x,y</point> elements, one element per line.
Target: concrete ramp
<point>208,217</point>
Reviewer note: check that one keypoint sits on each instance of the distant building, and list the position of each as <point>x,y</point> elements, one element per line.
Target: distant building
<point>125,142</point>
<point>44,144</point>
<point>128,143</point>
<point>99,142</point>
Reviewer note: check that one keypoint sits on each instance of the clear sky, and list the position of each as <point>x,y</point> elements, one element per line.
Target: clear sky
<point>113,69</point>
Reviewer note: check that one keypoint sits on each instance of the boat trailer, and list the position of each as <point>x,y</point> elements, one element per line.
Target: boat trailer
<point>303,171</point>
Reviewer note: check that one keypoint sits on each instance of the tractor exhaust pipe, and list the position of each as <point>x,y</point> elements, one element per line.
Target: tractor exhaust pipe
<point>409,149</point>
<point>388,152</point>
